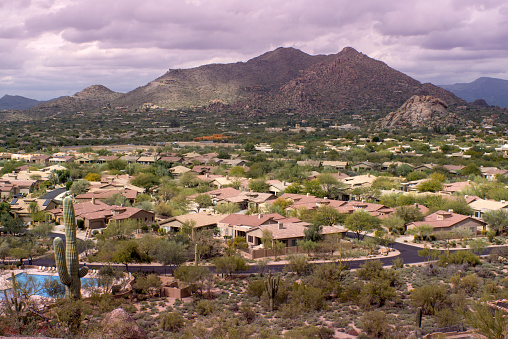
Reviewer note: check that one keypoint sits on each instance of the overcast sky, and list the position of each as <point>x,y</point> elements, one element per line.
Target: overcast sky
<point>50,48</point>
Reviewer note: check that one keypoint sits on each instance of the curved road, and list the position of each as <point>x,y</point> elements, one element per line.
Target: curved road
<point>409,255</point>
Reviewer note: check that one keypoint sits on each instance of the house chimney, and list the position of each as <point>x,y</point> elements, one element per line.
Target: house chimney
<point>260,216</point>
<point>281,225</point>
<point>450,210</point>
<point>503,201</point>
<point>308,194</point>
<point>93,200</point>
<point>325,198</point>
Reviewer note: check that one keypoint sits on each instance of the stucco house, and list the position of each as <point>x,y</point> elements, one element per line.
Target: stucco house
<point>443,221</point>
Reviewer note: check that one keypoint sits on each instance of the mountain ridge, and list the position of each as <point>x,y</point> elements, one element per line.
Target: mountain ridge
<point>278,81</point>
<point>17,102</point>
<point>493,90</point>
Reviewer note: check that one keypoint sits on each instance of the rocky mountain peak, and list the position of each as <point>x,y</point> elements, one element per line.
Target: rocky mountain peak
<point>94,91</point>
<point>420,111</point>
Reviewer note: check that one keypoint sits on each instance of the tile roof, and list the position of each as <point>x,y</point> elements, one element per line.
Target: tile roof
<point>250,220</point>
<point>445,219</point>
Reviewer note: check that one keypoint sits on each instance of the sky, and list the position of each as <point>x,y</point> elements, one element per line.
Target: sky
<point>50,48</point>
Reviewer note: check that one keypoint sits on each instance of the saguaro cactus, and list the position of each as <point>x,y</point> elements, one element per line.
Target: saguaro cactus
<point>272,287</point>
<point>418,322</point>
<point>67,261</point>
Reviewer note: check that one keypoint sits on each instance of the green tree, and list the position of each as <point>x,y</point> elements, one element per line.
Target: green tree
<point>79,187</point>
<point>327,216</point>
<point>393,223</point>
<point>259,185</point>
<point>430,185</point>
<point>249,146</point>
<point>196,276</point>
<point>170,252</point>
<point>497,220</point>
<point>422,231</point>
<point>471,169</point>
<point>313,187</point>
<point>361,222</point>
<point>267,239</point>
<point>330,185</point>
<point>120,229</point>
<point>237,171</point>
<point>145,180</point>
<point>12,225</point>
<point>227,208</point>
<point>164,209</point>
<point>203,200</point>
<point>230,264</point>
<point>278,248</point>
<point>409,214</point>
<point>313,233</point>
<point>128,252</point>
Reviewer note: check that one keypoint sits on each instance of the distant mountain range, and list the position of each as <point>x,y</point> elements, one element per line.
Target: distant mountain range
<point>281,81</point>
<point>16,102</point>
<point>493,91</point>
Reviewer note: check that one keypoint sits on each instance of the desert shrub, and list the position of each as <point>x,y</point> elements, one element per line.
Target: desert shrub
<point>373,270</point>
<point>310,332</point>
<point>351,292</point>
<point>310,297</point>
<point>248,313</point>
<point>375,324</point>
<point>431,297</point>
<point>498,252</point>
<point>129,308</point>
<point>205,307</point>
<point>397,263</point>
<point>172,322</point>
<point>299,264</point>
<point>459,258</point>
<point>447,317</point>
<point>375,294</point>
<point>256,288</point>
<point>469,283</point>
<point>328,277</point>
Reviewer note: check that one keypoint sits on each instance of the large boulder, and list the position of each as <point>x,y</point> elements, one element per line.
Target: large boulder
<point>420,111</point>
<point>119,324</point>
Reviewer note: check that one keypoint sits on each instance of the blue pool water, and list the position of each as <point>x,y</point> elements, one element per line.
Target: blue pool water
<point>21,278</point>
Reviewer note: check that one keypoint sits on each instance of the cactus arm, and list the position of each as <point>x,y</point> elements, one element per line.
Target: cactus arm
<point>60,262</point>
<point>83,271</point>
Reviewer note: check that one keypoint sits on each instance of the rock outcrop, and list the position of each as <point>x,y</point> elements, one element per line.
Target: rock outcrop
<point>119,324</point>
<point>420,111</point>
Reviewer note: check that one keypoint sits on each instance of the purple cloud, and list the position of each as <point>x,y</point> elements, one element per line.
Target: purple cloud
<point>109,41</point>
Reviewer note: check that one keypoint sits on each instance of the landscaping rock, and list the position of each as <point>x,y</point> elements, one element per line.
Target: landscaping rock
<point>119,324</point>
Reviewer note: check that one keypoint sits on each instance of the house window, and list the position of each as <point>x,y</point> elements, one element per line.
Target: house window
<point>226,231</point>
<point>250,239</point>
<point>293,242</point>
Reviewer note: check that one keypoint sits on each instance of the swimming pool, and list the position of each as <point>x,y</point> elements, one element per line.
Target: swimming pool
<point>39,279</point>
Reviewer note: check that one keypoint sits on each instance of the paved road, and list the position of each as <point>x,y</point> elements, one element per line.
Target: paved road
<point>409,255</point>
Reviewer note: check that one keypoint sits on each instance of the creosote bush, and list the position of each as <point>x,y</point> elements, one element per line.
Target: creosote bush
<point>172,322</point>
